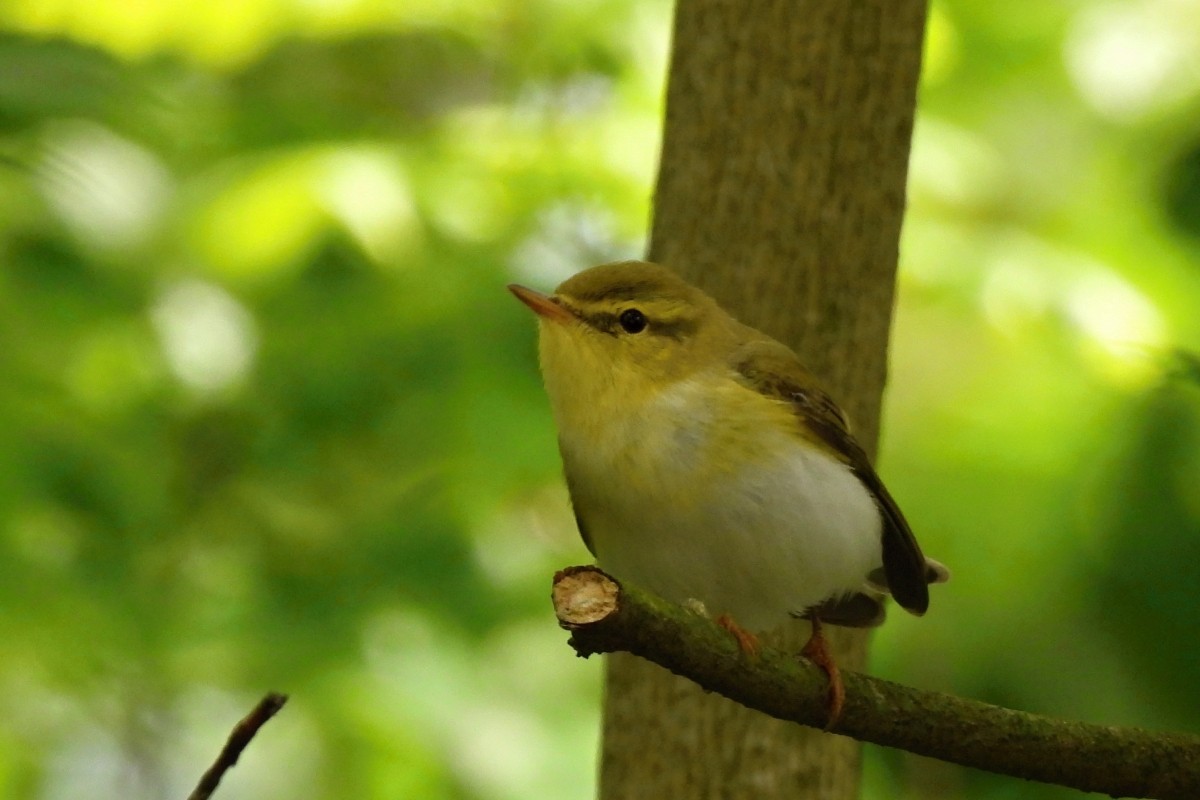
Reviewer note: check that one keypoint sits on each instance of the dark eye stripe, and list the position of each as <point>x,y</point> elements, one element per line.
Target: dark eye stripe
<point>678,329</point>
<point>607,322</point>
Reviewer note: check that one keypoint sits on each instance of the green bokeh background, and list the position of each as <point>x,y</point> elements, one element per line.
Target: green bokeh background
<point>268,419</point>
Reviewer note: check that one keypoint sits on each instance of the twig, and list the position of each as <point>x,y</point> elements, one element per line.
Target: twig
<point>604,616</point>
<point>241,735</point>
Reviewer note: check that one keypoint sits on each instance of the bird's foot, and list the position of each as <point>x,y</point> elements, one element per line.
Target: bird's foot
<point>816,650</point>
<point>747,642</point>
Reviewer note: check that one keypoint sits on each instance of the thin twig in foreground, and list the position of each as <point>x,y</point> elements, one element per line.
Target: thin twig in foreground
<point>241,735</point>
<point>604,616</point>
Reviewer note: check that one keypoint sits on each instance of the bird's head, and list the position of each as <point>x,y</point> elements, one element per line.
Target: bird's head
<point>620,332</point>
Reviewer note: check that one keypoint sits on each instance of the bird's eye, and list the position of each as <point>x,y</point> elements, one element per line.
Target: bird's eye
<point>632,320</point>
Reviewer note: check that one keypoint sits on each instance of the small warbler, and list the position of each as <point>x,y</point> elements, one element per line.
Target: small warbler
<point>704,462</point>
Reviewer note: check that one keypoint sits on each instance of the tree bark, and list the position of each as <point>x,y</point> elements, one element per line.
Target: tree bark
<point>780,192</point>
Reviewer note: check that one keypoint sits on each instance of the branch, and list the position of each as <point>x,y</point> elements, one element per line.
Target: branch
<point>604,616</point>
<point>241,735</point>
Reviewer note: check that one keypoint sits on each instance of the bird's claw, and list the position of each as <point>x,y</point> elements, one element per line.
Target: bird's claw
<point>747,642</point>
<point>816,650</point>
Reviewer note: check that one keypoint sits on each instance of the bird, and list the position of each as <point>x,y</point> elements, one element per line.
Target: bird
<point>706,464</point>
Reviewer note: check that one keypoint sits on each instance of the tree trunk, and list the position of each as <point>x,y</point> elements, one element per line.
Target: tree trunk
<point>780,192</point>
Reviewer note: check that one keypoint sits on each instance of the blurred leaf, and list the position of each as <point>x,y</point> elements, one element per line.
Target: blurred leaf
<point>1143,596</point>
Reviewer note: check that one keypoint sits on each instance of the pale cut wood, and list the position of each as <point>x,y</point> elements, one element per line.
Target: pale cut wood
<point>780,192</point>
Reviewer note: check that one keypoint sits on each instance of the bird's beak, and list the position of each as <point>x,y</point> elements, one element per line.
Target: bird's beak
<point>542,304</point>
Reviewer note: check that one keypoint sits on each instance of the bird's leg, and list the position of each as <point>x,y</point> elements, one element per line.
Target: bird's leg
<point>816,650</point>
<point>747,641</point>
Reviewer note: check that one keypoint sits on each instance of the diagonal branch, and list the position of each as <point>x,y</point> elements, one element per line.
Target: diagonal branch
<point>604,616</point>
<point>241,735</point>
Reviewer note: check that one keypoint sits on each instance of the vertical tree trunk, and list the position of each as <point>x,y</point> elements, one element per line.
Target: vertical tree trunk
<point>780,192</point>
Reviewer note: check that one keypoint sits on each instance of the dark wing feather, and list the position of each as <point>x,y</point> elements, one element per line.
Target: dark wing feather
<point>859,610</point>
<point>772,369</point>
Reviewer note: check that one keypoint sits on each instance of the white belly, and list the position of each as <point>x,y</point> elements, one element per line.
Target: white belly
<point>784,531</point>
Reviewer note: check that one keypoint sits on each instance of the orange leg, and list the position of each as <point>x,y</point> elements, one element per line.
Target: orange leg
<point>746,640</point>
<point>816,650</point>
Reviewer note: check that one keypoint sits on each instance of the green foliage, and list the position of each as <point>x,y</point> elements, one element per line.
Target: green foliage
<point>268,419</point>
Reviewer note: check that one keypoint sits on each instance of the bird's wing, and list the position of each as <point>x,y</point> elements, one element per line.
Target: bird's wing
<point>772,369</point>
<point>858,610</point>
